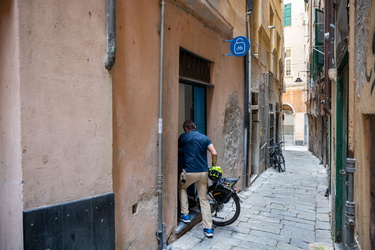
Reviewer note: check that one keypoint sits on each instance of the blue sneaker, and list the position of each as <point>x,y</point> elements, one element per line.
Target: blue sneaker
<point>185,218</point>
<point>209,232</point>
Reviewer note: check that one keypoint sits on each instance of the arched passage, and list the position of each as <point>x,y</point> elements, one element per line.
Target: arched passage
<point>288,117</point>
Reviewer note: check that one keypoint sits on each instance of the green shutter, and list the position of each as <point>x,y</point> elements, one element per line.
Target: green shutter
<point>288,14</point>
<point>319,27</point>
<point>319,37</point>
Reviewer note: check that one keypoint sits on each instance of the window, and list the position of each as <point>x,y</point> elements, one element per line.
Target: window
<point>194,67</point>
<point>288,62</point>
<point>288,14</point>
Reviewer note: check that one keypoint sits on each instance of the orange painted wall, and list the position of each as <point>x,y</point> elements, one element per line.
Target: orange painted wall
<point>136,100</point>
<point>10,134</point>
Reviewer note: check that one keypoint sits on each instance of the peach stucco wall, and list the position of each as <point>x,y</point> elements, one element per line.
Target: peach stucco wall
<point>135,104</point>
<point>136,100</point>
<point>66,108</point>
<point>60,114</point>
<point>10,136</point>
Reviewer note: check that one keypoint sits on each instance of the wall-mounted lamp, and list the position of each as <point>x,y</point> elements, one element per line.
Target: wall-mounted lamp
<point>298,78</point>
<point>271,26</point>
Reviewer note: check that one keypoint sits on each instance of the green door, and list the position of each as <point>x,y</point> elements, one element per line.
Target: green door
<point>341,152</point>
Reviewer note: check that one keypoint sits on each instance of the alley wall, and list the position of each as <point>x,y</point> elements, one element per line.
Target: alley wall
<point>136,100</point>
<point>361,119</point>
<point>56,112</point>
<point>10,134</point>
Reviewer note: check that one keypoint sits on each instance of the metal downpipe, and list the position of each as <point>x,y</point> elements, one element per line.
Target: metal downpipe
<point>247,123</point>
<point>161,235</point>
<point>329,54</point>
<point>111,34</point>
<point>350,205</point>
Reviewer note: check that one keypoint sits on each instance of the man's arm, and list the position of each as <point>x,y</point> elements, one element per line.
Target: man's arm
<point>213,152</point>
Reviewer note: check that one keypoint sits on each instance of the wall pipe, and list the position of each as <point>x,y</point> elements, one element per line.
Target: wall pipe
<point>160,234</point>
<point>246,107</point>
<point>111,34</point>
<point>350,205</point>
<point>329,53</point>
<point>247,100</point>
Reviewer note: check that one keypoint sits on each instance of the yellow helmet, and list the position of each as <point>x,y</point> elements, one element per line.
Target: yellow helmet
<point>215,173</point>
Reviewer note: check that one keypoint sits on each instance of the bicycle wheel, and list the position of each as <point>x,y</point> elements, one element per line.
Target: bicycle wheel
<point>225,206</point>
<point>272,162</point>
<point>280,163</point>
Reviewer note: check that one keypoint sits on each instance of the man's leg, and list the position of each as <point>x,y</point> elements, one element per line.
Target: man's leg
<point>190,178</point>
<point>205,205</point>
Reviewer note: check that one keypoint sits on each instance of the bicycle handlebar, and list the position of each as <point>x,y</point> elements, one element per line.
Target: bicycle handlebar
<point>276,145</point>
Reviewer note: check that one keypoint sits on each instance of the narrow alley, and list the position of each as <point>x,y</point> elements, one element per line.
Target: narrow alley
<point>278,211</point>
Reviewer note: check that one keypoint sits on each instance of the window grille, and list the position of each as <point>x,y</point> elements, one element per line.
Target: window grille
<point>194,67</point>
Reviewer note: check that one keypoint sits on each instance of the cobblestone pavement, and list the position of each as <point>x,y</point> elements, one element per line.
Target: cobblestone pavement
<point>278,211</point>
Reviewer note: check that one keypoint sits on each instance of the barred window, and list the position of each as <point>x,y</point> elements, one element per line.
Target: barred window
<point>194,67</point>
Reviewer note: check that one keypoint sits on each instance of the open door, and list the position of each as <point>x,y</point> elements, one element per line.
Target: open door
<point>192,106</point>
<point>200,109</point>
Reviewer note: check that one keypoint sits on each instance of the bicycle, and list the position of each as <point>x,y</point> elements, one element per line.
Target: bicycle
<point>224,201</point>
<point>223,198</point>
<point>277,159</point>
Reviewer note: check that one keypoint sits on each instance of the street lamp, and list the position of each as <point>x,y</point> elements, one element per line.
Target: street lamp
<point>298,78</point>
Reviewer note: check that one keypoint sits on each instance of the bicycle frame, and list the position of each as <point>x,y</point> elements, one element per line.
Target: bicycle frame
<point>276,157</point>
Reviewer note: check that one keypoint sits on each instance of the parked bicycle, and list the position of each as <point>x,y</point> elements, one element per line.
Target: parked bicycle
<point>276,157</point>
<point>223,198</point>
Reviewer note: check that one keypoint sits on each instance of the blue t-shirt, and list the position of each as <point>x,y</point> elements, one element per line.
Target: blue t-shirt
<point>194,146</point>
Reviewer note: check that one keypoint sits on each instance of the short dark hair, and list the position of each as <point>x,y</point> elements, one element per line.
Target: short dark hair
<point>189,124</point>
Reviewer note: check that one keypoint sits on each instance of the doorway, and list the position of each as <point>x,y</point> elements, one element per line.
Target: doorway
<point>371,164</point>
<point>288,124</point>
<point>194,80</point>
<point>192,106</point>
<point>341,150</point>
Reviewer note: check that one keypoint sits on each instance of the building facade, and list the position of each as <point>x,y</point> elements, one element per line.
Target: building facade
<point>345,99</point>
<point>296,77</point>
<point>266,77</point>
<point>93,97</point>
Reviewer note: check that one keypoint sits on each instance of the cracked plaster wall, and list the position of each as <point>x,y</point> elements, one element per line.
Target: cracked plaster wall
<point>233,136</point>
<point>361,15</point>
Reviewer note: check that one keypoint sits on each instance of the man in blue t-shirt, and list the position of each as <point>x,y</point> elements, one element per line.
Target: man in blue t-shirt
<point>194,146</point>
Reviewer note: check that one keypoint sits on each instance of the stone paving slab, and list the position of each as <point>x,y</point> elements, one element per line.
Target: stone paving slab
<point>278,211</point>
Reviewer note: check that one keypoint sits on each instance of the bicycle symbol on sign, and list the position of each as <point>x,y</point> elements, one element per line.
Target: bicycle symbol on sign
<point>239,46</point>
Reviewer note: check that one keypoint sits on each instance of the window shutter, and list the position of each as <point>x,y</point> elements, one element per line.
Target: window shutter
<point>288,14</point>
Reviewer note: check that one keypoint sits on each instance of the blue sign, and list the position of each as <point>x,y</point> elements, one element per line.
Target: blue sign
<point>239,46</point>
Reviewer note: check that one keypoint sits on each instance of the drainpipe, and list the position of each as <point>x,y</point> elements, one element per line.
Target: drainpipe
<point>247,103</point>
<point>350,205</point>
<point>329,53</point>
<point>160,234</point>
<point>247,110</point>
<point>111,34</point>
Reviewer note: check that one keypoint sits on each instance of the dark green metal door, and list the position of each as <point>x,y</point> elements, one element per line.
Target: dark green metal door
<point>341,152</point>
